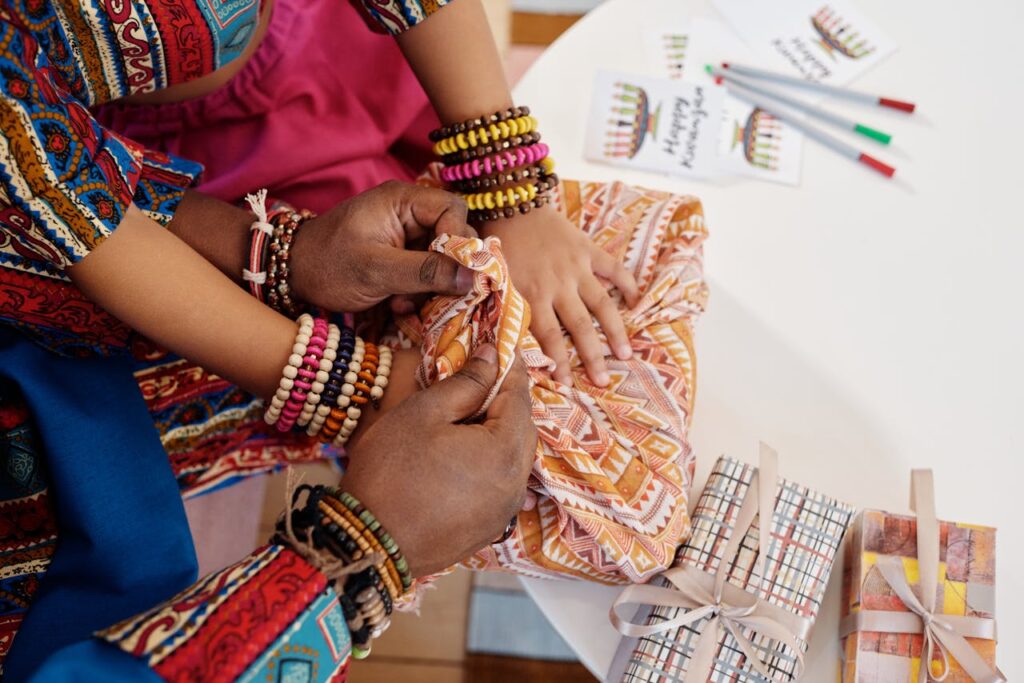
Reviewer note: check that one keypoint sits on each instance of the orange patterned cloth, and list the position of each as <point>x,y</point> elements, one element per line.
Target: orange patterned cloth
<point>613,466</point>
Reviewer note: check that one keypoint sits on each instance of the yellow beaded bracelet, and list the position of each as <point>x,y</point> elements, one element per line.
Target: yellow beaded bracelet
<point>499,199</point>
<point>500,130</point>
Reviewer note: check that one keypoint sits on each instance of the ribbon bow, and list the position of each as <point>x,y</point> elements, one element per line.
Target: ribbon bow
<point>943,632</point>
<point>730,609</point>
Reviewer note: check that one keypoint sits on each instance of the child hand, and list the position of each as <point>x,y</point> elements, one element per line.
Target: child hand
<point>555,266</point>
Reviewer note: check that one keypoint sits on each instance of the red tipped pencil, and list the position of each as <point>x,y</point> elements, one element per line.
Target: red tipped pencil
<point>832,90</point>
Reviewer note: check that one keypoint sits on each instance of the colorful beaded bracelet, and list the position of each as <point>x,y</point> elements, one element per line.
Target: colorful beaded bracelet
<point>348,406</point>
<point>543,187</point>
<point>370,381</point>
<point>492,132</point>
<point>335,380</point>
<point>454,129</point>
<point>516,175</point>
<point>337,522</point>
<point>306,374</point>
<point>482,151</point>
<point>313,398</point>
<point>499,199</point>
<point>290,371</point>
<point>385,539</point>
<point>512,158</point>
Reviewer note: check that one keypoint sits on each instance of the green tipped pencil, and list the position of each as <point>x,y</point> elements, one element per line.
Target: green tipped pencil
<point>834,119</point>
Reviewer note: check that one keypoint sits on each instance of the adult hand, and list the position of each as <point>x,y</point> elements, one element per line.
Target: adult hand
<point>355,255</point>
<point>555,266</point>
<point>441,488</point>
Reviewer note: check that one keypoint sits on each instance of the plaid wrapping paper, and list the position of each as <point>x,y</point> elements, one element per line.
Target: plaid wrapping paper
<point>967,575</point>
<point>806,530</point>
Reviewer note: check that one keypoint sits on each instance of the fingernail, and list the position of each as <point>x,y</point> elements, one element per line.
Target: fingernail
<point>464,279</point>
<point>486,353</point>
<point>624,352</point>
<point>601,379</point>
<point>403,306</point>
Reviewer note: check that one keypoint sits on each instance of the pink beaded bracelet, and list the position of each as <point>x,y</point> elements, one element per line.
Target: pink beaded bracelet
<point>330,352</point>
<point>306,374</point>
<point>291,370</point>
<point>496,163</point>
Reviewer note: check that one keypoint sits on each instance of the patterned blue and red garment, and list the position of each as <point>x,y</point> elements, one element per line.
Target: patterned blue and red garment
<point>92,527</point>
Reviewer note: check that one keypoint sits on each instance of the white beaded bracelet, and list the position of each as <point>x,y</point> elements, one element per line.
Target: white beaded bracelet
<point>290,371</point>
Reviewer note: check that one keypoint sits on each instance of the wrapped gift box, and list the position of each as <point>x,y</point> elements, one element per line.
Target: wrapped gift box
<point>806,530</point>
<point>966,576</point>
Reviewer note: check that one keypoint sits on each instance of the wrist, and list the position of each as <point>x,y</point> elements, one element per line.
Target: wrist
<point>335,533</point>
<point>504,227</point>
<point>227,246</point>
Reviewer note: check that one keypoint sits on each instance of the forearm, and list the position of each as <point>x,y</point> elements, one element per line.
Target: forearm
<point>454,56</point>
<point>217,230</point>
<point>157,284</point>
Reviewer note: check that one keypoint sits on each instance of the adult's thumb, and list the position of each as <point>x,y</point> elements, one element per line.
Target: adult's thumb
<point>462,395</point>
<point>422,272</point>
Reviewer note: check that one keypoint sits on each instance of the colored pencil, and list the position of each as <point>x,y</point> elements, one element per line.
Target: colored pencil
<point>824,115</point>
<point>835,90</point>
<point>836,145</point>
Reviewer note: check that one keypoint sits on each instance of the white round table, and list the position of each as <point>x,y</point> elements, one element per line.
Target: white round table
<point>861,326</point>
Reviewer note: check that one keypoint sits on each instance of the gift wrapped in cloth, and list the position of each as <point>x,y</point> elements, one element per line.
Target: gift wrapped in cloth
<point>613,466</point>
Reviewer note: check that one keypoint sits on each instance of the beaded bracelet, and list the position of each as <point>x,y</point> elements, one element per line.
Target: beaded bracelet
<point>348,406</point>
<point>306,375</point>
<point>286,224</point>
<point>389,544</point>
<point>517,175</point>
<point>262,230</point>
<point>369,384</point>
<point>492,132</point>
<point>456,128</point>
<point>335,380</point>
<point>464,155</point>
<point>480,211</point>
<point>512,158</point>
<point>367,544</point>
<point>291,370</point>
<point>313,398</point>
<point>338,523</point>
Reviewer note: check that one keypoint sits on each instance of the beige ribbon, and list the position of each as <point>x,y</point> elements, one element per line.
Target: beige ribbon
<point>731,609</point>
<point>943,632</point>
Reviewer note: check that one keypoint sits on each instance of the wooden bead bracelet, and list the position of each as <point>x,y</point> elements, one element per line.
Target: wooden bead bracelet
<point>508,159</point>
<point>456,128</point>
<point>516,175</point>
<point>279,294</point>
<point>486,134</point>
<point>543,187</point>
<point>464,155</point>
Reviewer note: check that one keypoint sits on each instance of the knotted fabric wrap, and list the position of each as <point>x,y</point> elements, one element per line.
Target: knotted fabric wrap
<point>613,467</point>
<point>945,633</point>
<point>493,312</point>
<point>731,609</point>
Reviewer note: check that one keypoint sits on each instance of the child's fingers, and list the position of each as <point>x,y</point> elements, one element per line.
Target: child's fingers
<point>580,325</point>
<point>607,313</point>
<point>548,332</point>
<point>608,267</point>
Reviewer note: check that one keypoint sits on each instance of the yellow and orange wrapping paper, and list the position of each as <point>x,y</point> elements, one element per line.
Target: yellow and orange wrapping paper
<point>613,467</point>
<point>917,590</point>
